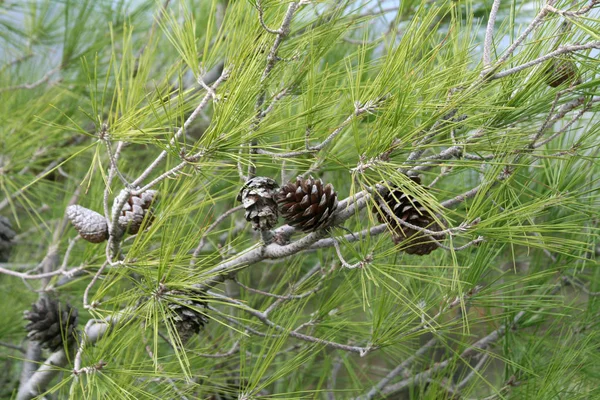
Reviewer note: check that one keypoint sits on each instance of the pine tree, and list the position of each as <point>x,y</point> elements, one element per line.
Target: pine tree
<point>168,170</point>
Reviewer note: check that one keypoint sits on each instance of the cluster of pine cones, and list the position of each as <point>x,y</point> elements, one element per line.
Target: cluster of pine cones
<point>310,205</point>
<point>306,204</point>
<point>93,227</point>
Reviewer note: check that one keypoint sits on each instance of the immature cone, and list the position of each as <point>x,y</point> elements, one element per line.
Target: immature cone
<point>307,204</point>
<point>90,225</point>
<point>52,324</point>
<point>134,211</point>
<point>186,315</point>
<point>562,71</point>
<point>408,209</point>
<point>258,198</point>
<point>6,237</point>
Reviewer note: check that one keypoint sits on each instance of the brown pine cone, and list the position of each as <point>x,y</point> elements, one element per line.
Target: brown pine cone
<point>562,71</point>
<point>188,314</point>
<point>52,324</point>
<point>258,197</point>
<point>90,225</point>
<point>408,209</point>
<point>307,204</point>
<point>6,239</point>
<point>134,211</point>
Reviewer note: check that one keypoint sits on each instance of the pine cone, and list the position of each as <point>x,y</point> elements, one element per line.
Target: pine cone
<point>52,324</point>
<point>90,225</point>
<point>562,71</point>
<point>407,209</point>
<point>6,237</point>
<point>186,315</point>
<point>134,211</point>
<point>258,197</point>
<point>307,204</point>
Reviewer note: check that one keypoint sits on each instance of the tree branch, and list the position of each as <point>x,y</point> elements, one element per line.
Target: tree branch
<point>489,35</point>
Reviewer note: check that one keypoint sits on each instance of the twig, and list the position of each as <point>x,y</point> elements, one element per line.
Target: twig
<point>429,135</point>
<point>359,109</point>
<point>86,305</point>
<point>463,227</point>
<point>44,275</point>
<point>472,192</point>
<point>262,21</point>
<point>234,349</point>
<point>16,61</point>
<point>361,264</point>
<point>263,318</point>
<point>351,237</point>
<point>13,346</point>
<point>42,377</point>
<point>274,102</point>
<point>282,32</point>
<point>546,123</point>
<point>401,368</point>
<point>115,232</point>
<point>337,366</point>
<point>210,228</point>
<point>562,130</point>
<point>477,346</point>
<point>32,85</point>
<point>111,175</point>
<point>93,331</point>
<point>473,242</point>
<point>171,173</point>
<point>474,371</point>
<point>489,35</point>
<point>278,296</point>
<point>539,18</point>
<point>577,13</point>
<point>182,129</point>
<point>300,281</point>
<point>247,328</point>
<point>272,58</point>
<point>559,51</point>
<point>104,136</point>
<point>581,286</point>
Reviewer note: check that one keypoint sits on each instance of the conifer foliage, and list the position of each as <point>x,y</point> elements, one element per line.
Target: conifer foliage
<point>217,199</point>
